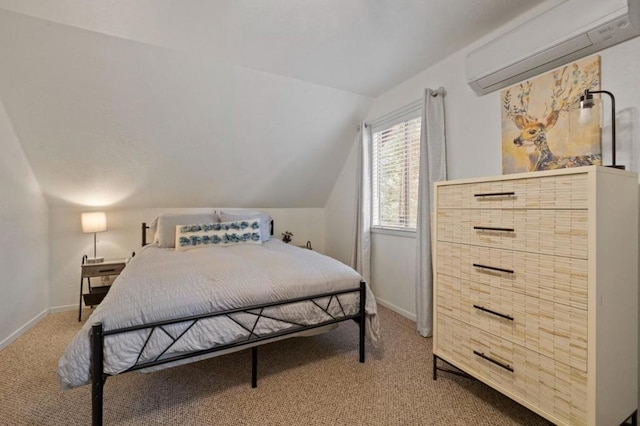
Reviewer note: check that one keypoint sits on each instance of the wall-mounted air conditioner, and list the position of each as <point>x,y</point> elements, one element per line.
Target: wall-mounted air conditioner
<point>564,33</point>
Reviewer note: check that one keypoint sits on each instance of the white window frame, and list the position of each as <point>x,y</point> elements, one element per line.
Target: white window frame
<point>404,114</point>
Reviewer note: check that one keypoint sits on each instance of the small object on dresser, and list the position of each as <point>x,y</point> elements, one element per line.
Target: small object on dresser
<point>307,246</point>
<point>286,236</point>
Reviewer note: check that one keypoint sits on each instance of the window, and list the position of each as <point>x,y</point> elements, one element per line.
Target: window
<point>395,169</point>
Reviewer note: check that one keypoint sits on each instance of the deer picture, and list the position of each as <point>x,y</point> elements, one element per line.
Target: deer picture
<point>568,83</point>
<point>534,133</point>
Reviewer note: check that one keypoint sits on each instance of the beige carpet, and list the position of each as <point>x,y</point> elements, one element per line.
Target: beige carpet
<point>311,381</point>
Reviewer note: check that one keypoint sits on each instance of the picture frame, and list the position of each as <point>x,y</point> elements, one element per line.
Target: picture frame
<point>540,126</point>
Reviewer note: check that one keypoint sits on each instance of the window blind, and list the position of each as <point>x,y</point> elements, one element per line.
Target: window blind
<point>400,115</point>
<point>395,172</point>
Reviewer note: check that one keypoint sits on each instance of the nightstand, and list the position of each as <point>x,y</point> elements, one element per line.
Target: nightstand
<point>91,270</point>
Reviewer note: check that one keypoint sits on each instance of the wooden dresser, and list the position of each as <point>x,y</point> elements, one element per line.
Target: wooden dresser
<point>536,289</point>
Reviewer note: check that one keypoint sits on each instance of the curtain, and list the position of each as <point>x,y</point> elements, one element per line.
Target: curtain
<point>433,168</point>
<point>361,256</point>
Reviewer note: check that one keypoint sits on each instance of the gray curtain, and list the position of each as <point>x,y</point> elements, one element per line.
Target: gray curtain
<point>361,257</point>
<point>433,168</point>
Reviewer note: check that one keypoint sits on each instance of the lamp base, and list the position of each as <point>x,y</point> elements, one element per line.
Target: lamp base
<point>95,259</point>
<point>617,166</point>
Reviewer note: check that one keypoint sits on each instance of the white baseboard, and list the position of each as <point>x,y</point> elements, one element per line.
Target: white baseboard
<point>397,310</point>
<point>63,308</point>
<point>19,332</point>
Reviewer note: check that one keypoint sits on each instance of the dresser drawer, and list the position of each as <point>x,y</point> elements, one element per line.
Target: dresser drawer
<point>554,192</point>
<point>553,232</point>
<point>552,329</point>
<point>102,269</point>
<point>541,382</point>
<point>555,278</point>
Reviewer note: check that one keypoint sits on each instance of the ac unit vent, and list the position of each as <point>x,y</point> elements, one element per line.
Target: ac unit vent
<point>502,61</point>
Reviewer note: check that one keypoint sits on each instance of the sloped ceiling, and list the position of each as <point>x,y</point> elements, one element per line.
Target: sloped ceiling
<point>211,103</point>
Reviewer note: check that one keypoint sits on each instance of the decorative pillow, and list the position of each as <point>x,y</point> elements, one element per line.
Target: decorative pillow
<point>165,231</point>
<point>217,234</point>
<point>265,220</point>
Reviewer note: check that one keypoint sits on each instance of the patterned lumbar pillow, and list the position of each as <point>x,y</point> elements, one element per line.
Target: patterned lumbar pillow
<point>265,220</point>
<point>218,234</point>
<point>164,226</point>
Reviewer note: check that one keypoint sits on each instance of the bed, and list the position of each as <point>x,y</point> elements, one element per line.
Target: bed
<point>169,307</point>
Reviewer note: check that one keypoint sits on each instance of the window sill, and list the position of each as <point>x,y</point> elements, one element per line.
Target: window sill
<point>396,232</point>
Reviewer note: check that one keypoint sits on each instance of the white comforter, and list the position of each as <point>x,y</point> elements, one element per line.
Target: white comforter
<point>160,284</point>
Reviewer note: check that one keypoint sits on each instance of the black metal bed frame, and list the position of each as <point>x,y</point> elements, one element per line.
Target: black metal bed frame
<point>98,335</point>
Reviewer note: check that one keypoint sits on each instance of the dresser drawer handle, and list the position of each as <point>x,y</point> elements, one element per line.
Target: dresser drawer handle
<point>493,268</point>
<point>496,194</point>
<point>107,270</point>
<point>482,308</point>
<point>498,363</point>
<point>487,228</point>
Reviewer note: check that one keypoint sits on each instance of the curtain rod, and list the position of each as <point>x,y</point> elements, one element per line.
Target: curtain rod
<point>440,91</point>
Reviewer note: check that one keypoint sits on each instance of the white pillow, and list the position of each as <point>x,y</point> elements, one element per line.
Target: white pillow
<point>265,220</point>
<point>165,234</point>
<point>217,234</point>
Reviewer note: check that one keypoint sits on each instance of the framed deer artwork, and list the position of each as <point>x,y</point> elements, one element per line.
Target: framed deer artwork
<point>540,129</point>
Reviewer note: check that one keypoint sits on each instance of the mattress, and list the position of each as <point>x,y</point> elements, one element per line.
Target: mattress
<point>162,284</point>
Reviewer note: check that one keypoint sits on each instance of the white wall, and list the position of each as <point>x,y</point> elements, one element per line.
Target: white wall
<point>473,149</point>
<point>473,137</point>
<point>340,212</point>
<point>24,263</point>
<point>105,120</point>
<point>69,244</point>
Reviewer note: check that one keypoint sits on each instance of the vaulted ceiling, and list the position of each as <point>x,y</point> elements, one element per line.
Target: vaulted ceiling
<point>241,103</point>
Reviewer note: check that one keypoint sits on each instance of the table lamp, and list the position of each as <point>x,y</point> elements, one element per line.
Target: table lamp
<point>586,104</point>
<point>94,222</point>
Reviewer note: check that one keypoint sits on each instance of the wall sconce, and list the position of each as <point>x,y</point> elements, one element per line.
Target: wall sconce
<point>586,104</point>
<point>94,222</point>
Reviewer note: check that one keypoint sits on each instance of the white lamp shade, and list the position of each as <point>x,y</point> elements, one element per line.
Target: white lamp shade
<point>585,116</point>
<point>94,222</point>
